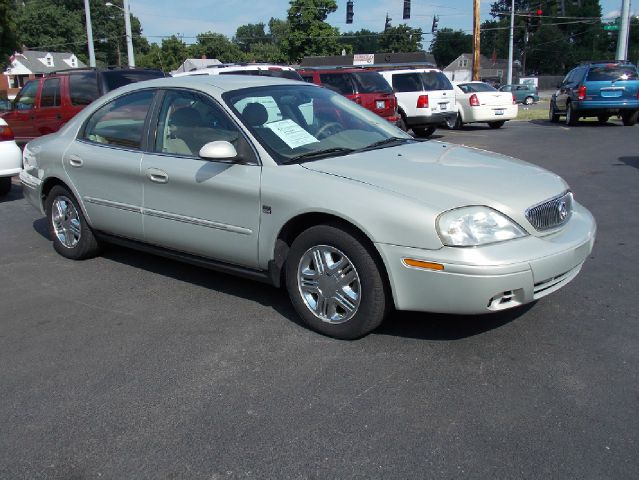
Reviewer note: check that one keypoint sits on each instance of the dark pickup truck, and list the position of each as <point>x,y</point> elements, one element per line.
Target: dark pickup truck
<point>44,104</point>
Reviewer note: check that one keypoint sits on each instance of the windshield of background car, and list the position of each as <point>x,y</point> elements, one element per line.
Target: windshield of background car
<point>371,82</point>
<point>435,81</point>
<point>612,72</point>
<point>118,78</point>
<point>294,120</point>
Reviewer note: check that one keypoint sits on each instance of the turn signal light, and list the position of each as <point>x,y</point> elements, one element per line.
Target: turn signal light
<point>581,94</point>
<point>422,101</point>
<point>474,101</point>
<point>514,99</point>
<point>6,133</point>
<point>410,262</point>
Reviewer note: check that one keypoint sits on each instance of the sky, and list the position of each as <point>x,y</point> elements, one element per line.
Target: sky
<point>162,18</point>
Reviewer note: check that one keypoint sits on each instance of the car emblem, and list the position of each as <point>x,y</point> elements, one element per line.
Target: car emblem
<point>563,211</point>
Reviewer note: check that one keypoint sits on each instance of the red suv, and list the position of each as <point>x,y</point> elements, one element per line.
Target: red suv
<point>43,105</point>
<point>365,87</point>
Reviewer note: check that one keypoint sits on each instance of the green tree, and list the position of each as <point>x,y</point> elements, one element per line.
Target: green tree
<point>216,45</point>
<point>401,38</point>
<point>548,51</point>
<point>448,44</point>
<point>361,41</point>
<point>248,35</point>
<point>8,43</point>
<point>309,34</point>
<point>62,31</point>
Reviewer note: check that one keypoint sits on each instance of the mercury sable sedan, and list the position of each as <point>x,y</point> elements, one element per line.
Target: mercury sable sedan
<point>295,185</point>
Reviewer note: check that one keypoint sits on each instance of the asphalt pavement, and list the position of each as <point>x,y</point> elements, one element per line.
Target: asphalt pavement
<point>130,366</point>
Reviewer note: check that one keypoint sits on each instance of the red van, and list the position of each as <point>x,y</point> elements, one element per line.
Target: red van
<point>365,87</point>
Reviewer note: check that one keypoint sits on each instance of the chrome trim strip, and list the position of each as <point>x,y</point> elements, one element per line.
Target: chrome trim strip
<point>197,221</point>
<point>109,203</point>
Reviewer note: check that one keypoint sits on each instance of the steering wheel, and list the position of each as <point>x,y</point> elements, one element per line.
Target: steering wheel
<point>327,127</point>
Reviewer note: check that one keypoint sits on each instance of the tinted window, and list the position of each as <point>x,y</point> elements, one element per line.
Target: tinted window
<point>308,78</point>
<point>120,122</point>
<point>435,81</point>
<point>476,87</point>
<point>371,82</point>
<point>612,72</point>
<point>506,88</point>
<point>187,121</point>
<point>26,97</point>
<point>50,96</point>
<point>339,82</point>
<point>407,82</point>
<point>118,78</point>
<point>83,88</point>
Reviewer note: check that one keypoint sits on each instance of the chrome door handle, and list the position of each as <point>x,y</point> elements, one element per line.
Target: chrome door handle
<point>75,161</point>
<point>158,176</point>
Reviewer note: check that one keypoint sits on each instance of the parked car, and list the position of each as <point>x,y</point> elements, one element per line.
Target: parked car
<point>425,98</point>
<point>43,105</point>
<point>5,105</point>
<point>351,213</point>
<point>599,89</point>
<point>10,157</point>
<point>365,87</point>
<point>479,102</point>
<point>257,69</point>
<point>524,93</point>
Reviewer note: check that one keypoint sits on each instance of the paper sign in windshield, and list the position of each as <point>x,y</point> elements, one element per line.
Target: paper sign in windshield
<point>291,133</point>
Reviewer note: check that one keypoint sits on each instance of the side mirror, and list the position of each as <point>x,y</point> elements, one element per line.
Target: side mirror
<point>219,150</point>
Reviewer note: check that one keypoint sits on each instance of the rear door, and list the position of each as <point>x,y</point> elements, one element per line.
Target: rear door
<point>48,118</point>
<point>612,82</point>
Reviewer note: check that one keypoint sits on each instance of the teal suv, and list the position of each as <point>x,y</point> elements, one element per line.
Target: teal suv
<point>598,89</point>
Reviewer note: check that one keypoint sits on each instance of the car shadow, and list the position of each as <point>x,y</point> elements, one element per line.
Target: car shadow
<point>581,123</point>
<point>630,161</point>
<point>14,194</point>
<point>40,226</point>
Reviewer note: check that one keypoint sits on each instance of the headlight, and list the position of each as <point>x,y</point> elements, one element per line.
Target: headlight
<point>472,226</point>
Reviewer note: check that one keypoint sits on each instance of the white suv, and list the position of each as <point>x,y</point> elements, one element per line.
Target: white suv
<point>425,98</point>
<point>257,69</point>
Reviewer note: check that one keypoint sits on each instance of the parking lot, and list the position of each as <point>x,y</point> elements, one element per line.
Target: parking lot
<point>134,366</point>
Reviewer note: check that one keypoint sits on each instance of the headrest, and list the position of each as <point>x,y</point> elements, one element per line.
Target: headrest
<point>255,114</point>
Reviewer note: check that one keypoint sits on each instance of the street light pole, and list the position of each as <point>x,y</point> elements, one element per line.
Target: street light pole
<point>87,16</point>
<point>622,41</point>
<point>509,77</point>
<point>127,29</point>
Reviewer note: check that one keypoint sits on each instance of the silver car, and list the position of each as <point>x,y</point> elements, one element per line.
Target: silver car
<point>295,185</point>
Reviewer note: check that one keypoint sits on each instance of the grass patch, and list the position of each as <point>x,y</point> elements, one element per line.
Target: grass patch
<point>539,111</point>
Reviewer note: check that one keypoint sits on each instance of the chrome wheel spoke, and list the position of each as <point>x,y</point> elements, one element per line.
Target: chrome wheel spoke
<point>66,222</point>
<point>347,276</point>
<point>345,303</point>
<point>319,261</point>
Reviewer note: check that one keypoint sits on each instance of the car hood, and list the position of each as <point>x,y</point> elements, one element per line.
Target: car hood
<point>445,176</point>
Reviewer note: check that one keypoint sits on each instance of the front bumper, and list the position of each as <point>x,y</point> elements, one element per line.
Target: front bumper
<point>32,189</point>
<point>493,277</point>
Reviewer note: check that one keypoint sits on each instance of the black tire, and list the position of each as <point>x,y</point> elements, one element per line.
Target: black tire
<point>373,299</point>
<point>528,101</point>
<point>553,116</point>
<point>402,123</point>
<point>496,124</point>
<point>602,119</point>
<point>571,117</point>
<point>452,121</point>
<point>423,132</point>
<point>5,186</point>
<point>82,244</point>
<point>459,124</point>
<point>629,119</point>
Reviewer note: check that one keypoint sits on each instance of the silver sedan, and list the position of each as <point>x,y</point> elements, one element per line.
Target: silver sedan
<point>294,185</point>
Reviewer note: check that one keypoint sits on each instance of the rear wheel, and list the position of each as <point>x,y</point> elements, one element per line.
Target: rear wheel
<point>5,185</point>
<point>528,100</point>
<point>71,234</point>
<point>423,132</point>
<point>459,124</point>
<point>629,119</point>
<point>402,123</point>
<point>601,119</point>
<point>451,122</point>
<point>335,284</point>
<point>571,117</point>
<point>553,116</point>
<point>496,124</point>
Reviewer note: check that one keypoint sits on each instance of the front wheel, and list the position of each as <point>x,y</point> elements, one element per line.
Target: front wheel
<point>335,284</point>
<point>496,124</point>
<point>423,132</point>
<point>5,185</point>
<point>553,116</point>
<point>72,235</point>
<point>629,119</point>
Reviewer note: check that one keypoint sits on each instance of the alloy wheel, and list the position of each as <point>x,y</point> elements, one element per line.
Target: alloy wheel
<point>66,222</point>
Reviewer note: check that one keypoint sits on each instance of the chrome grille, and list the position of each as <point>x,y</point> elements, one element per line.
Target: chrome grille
<point>552,213</point>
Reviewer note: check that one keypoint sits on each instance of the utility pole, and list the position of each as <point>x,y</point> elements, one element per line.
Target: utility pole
<point>509,77</point>
<point>476,42</point>
<point>87,16</point>
<point>129,37</point>
<point>622,41</point>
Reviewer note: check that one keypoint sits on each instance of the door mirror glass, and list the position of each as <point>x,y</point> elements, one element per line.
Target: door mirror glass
<point>218,150</point>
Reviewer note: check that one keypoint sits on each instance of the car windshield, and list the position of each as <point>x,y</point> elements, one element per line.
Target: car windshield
<point>300,122</point>
<point>371,82</point>
<point>612,72</point>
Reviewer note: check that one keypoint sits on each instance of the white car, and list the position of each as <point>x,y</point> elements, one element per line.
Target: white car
<point>256,69</point>
<point>10,157</point>
<point>425,98</point>
<point>478,102</point>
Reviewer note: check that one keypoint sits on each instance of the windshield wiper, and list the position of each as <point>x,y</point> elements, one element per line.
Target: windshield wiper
<point>383,143</point>
<point>319,154</point>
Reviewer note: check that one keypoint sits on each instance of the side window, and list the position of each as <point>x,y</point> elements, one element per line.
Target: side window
<point>50,93</point>
<point>338,82</point>
<point>407,82</point>
<point>569,78</point>
<point>83,88</point>
<point>120,122</point>
<point>188,121</point>
<point>26,97</point>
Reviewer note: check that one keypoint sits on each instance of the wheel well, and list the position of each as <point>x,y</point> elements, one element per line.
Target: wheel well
<point>295,226</point>
<point>49,183</point>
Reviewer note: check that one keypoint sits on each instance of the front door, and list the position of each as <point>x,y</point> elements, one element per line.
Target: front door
<point>202,207</point>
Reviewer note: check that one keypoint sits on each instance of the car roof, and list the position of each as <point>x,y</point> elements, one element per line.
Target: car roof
<point>216,69</point>
<point>411,70</point>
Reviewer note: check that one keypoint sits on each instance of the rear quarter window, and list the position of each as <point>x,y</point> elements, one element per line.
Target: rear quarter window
<point>436,81</point>
<point>338,82</point>
<point>407,82</point>
<point>83,88</point>
<point>371,82</point>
